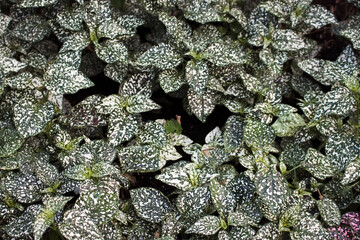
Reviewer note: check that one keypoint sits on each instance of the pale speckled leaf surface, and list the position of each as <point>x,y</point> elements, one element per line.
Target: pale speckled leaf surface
<point>150,204</point>
<point>207,225</point>
<point>197,76</point>
<point>258,134</point>
<point>318,165</point>
<point>193,202</point>
<point>309,228</point>
<point>222,198</point>
<point>201,106</point>
<point>329,211</point>
<point>143,158</point>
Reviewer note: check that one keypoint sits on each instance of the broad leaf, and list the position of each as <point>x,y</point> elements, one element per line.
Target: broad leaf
<point>329,211</point>
<point>318,16</point>
<point>352,172</point>
<point>112,51</point>
<point>287,40</point>
<point>309,228</point>
<point>288,125</point>
<point>122,128</point>
<point>222,198</point>
<point>150,204</point>
<point>143,158</point>
<point>207,225</point>
<point>233,133</point>
<point>318,165</point>
<point>10,141</point>
<point>153,133</point>
<point>193,202</point>
<point>201,106</point>
<point>258,134</point>
<point>225,54</point>
<point>197,76</point>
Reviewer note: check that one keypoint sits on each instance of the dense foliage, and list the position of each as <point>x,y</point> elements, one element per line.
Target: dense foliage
<point>284,165</point>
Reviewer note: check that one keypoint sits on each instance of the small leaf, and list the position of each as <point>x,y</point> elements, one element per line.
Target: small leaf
<point>112,51</point>
<point>258,134</point>
<point>75,42</point>
<point>225,54</point>
<point>288,125</point>
<point>222,198</point>
<point>309,228</point>
<point>8,65</point>
<point>153,133</point>
<point>318,16</point>
<point>197,76</point>
<point>287,40</point>
<point>78,172</point>
<point>201,106</point>
<point>150,204</point>
<point>143,158</point>
<point>207,225</point>
<point>268,231</point>
<point>352,172</point>
<point>200,11</point>
<point>10,141</point>
<point>141,103</point>
<point>171,80</point>
<point>193,202</point>
<point>32,29</point>
<point>176,176</point>
<point>162,56</point>
<point>318,165</point>
<point>36,3</point>
<point>102,169</point>
<point>77,225</point>
<point>329,211</point>
<point>121,128</point>
<point>233,133</point>
<point>30,117</point>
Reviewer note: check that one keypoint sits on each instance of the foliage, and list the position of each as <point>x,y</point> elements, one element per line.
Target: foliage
<point>85,151</point>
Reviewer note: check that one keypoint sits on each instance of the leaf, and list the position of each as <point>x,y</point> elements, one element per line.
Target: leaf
<point>268,231</point>
<point>143,158</point>
<point>222,198</point>
<point>141,103</point>
<point>171,80</point>
<point>225,54</point>
<point>318,165</point>
<point>31,29</point>
<point>242,232</point>
<point>10,141</point>
<point>258,134</point>
<point>4,22</point>
<point>150,204</point>
<point>352,172</point>
<point>137,84</point>
<point>201,106</point>
<point>287,40</point>
<point>288,125</point>
<point>36,3</point>
<point>318,16</point>
<point>75,42</point>
<point>339,101</point>
<point>292,155</point>
<point>102,169</point>
<point>178,29</point>
<point>20,81</point>
<point>121,128</point>
<point>272,189</point>
<point>176,176</point>
<point>23,225</point>
<point>8,65</point>
<point>197,76</point>
<point>233,133</point>
<point>77,225</point>
<point>162,56</point>
<point>24,188</point>
<point>30,118</point>
<point>309,228</point>
<point>193,202</point>
<point>200,11</point>
<point>65,79</point>
<point>341,149</point>
<point>329,211</point>
<point>71,19</point>
<point>101,204</point>
<point>242,188</point>
<point>116,71</point>
<point>239,219</point>
<point>351,31</point>
<point>112,51</point>
<point>317,69</point>
<point>78,172</point>
<point>153,133</point>
<point>207,225</point>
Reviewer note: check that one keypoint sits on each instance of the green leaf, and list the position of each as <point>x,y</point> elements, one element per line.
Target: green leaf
<point>273,190</point>
<point>112,51</point>
<point>242,232</point>
<point>10,141</point>
<point>287,40</point>
<point>239,219</point>
<point>339,101</point>
<point>178,29</point>
<point>329,211</point>
<point>143,158</point>
<point>268,231</point>
<point>258,134</point>
<point>122,127</point>
<point>137,84</point>
<point>318,16</point>
<point>341,149</point>
<point>64,78</point>
<point>288,125</point>
<point>222,198</point>
<point>351,31</point>
<point>75,42</point>
<point>31,29</point>
<point>162,56</point>
<point>30,118</point>
<point>176,176</point>
<point>124,26</point>
<point>233,133</point>
<point>71,19</point>
<point>199,11</point>
<point>318,165</point>
<point>292,155</point>
<point>78,225</point>
<point>276,7</point>
<point>197,76</point>
<point>102,169</point>
<point>153,133</point>
<point>223,54</point>
<point>207,225</point>
<point>193,202</point>
<point>23,225</point>
<point>201,106</point>
<point>78,172</point>
<point>36,3</point>
<point>101,204</point>
<point>20,81</point>
<point>309,228</point>
<point>116,71</point>
<point>8,65</point>
<point>150,204</point>
<point>4,22</point>
<point>317,69</point>
<point>290,217</point>
<point>141,103</point>
<point>24,188</point>
<point>352,172</point>
<point>171,80</point>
